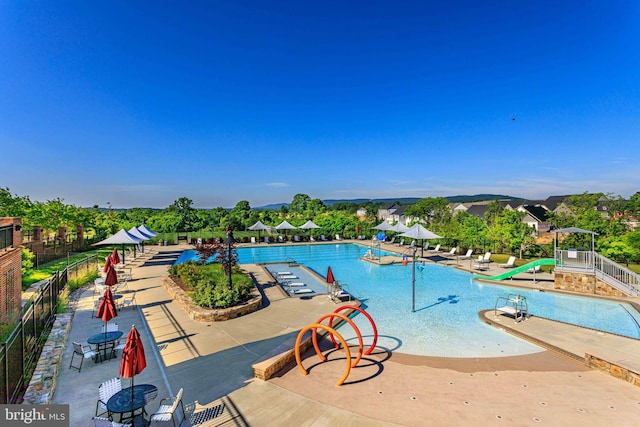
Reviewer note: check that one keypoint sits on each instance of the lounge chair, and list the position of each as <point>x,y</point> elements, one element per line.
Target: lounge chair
<point>392,240</point>
<point>401,242</point>
<point>452,252</point>
<point>436,249</point>
<point>280,239</point>
<point>266,239</point>
<point>302,291</point>
<point>253,239</point>
<point>486,259</point>
<point>296,238</point>
<point>509,264</point>
<point>480,265</point>
<point>323,238</point>
<point>535,269</point>
<point>338,237</point>
<point>467,255</point>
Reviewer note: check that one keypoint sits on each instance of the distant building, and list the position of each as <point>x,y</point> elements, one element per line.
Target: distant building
<point>392,214</point>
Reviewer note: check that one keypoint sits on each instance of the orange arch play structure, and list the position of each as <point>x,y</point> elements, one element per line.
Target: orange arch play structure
<point>315,326</point>
<point>373,325</point>
<point>353,325</point>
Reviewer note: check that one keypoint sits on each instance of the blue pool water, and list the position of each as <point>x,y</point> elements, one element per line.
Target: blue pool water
<point>447,302</point>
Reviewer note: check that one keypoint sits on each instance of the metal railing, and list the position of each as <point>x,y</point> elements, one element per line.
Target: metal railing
<point>20,351</point>
<point>602,267</point>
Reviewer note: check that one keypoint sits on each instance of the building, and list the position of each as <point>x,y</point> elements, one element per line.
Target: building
<point>10,269</point>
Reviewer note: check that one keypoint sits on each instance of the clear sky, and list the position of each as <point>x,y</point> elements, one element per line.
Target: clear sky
<point>140,103</point>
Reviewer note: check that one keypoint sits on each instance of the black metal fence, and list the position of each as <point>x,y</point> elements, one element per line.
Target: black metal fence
<point>19,353</point>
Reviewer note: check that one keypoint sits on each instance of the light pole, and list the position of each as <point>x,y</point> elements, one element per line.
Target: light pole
<point>413,281</point>
<point>229,241</point>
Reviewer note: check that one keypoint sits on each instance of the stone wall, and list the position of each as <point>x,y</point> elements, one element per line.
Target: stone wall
<point>11,273</point>
<point>202,314</point>
<point>584,284</point>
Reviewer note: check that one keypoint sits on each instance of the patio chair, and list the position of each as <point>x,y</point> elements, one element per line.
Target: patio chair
<point>401,242</point>
<point>436,249</point>
<point>480,265</point>
<point>106,422</point>
<point>509,264</point>
<point>105,391</point>
<point>338,237</point>
<point>84,351</point>
<point>392,240</point>
<point>253,240</point>
<point>168,411</point>
<point>110,327</point>
<point>128,301</point>
<point>323,238</point>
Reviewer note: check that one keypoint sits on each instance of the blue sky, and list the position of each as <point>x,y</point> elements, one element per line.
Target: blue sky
<point>141,103</point>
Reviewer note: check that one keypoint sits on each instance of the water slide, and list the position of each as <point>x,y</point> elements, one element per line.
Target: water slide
<point>522,268</point>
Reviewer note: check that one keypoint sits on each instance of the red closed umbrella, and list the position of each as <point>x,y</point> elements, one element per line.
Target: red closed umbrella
<point>112,277</point>
<point>115,258</point>
<point>330,278</point>
<point>107,263</point>
<point>107,308</point>
<point>133,359</point>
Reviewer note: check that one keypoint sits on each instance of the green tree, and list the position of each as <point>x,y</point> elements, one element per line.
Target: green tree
<point>434,212</point>
<point>510,232</point>
<point>299,203</point>
<point>184,212</point>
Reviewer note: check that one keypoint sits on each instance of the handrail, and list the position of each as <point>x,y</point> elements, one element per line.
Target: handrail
<point>602,267</point>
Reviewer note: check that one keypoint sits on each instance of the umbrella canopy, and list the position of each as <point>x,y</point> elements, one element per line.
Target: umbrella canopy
<point>133,359</point>
<point>115,258</point>
<point>134,231</point>
<point>146,231</point>
<point>417,231</point>
<point>400,228</point>
<point>284,225</point>
<point>330,278</point>
<point>122,237</point>
<point>107,308</point>
<point>258,226</point>
<point>108,262</point>
<point>112,277</point>
<point>309,225</point>
<point>384,226</point>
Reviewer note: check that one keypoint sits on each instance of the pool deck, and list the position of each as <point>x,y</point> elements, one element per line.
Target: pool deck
<point>212,362</point>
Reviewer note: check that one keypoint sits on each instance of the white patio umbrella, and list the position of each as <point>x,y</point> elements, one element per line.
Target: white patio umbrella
<point>417,232</point>
<point>259,226</point>
<point>384,226</point>
<point>122,237</point>
<point>309,225</point>
<point>284,225</point>
<point>400,227</point>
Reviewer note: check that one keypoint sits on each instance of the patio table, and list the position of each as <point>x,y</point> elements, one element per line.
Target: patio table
<point>130,400</point>
<point>103,341</point>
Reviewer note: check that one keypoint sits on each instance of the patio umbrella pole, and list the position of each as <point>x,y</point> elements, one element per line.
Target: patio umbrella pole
<point>413,282</point>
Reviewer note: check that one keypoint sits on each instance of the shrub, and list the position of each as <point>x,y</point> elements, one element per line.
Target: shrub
<point>211,286</point>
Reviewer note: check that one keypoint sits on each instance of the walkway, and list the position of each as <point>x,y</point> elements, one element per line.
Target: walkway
<point>212,361</point>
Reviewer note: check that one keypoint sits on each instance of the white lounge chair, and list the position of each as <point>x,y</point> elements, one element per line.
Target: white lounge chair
<point>436,249</point>
<point>338,237</point>
<point>323,238</point>
<point>535,269</point>
<point>452,252</point>
<point>480,265</point>
<point>467,255</point>
<point>509,264</point>
<point>302,291</point>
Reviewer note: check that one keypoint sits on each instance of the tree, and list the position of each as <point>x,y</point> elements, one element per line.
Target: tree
<point>299,203</point>
<point>185,214</point>
<point>435,212</point>
<point>510,232</point>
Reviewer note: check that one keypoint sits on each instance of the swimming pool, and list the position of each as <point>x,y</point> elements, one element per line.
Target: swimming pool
<point>447,303</point>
